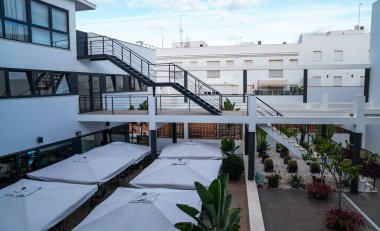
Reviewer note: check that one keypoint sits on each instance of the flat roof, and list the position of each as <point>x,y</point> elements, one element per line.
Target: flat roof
<point>82,5</point>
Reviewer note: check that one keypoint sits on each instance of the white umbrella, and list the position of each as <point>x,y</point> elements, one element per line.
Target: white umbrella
<point>37,205</point>
<point>141,209</point>
<point>191,150</point>
<point>177,174</point>
<point>83,169</point>
<point>121,150</point>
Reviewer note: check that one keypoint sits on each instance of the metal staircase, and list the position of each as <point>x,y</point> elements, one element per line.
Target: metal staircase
<point>104,48</point>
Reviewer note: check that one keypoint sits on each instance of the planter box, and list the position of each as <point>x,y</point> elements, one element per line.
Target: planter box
<point>268,168</point>
<point>292,169</point>
<point>273,183</point>
<point>286,161</point>
<point>315,170</point>
<point>263,158</point>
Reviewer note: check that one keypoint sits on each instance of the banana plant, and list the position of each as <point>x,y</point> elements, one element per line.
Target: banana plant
<point>216,202</point>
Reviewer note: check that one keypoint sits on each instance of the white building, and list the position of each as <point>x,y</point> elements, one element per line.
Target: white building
<point>64,91</point>
<point>277,66</point>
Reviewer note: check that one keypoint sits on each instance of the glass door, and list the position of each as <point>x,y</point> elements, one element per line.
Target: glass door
<point>96,96</point>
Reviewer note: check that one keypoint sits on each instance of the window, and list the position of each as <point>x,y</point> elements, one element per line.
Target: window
<point>276,73</point>
<point>44,85</point>
<point>20,83</point>
<point>42,24</point>
<point>338,55</point>
<point>316,81</point>
<point>16,31</point>
<point>317,56</point>
<point>40,14</point>
<point>213,74</point>
<point>276,62</point>
<point>337,81</point>
<point>59,19</point>
<point>248,62</point>
<point>293,61</point>
<point>54,153</point>
<point>119,83</point>
<point>15,9</point>
<point>213,63</point>
<point>110,86</point>
<point>61,83</point>
<point>3,88</point>
<point>229,63</point>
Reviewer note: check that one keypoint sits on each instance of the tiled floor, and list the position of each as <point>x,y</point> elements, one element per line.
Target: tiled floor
<point>369,203</point>
<point>294,211</point>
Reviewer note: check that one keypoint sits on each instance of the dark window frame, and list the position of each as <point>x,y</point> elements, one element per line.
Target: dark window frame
<point>31,25</point>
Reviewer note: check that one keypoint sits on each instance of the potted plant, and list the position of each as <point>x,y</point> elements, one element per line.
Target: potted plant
<point>273,180</point>
<point>216,201</point>
<point>262,148</point>
<point>292,166</point>
<point>286,159</point>
<point>233,165</point>
<point>315,168</point>
<point>284,152</point>
<point>268,165</point>
<point>143,105</point>
<point>295,181</point>
<point>279,147</point>
<point>264,157</point>
<point>227,145</point>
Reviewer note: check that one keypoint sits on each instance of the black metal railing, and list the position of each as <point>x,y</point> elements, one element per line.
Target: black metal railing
<point>264,109</point>
<point>176,74</point>
<point>114,49</point>
<point>115,104</point>
<point>277,92</point>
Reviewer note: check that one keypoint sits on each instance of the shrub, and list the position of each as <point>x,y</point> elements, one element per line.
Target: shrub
<point>295,181</point>
<point>292,166</point>
<point>233,165</point>
<point>343,219</point>
<point>262,147</point>
<point>131,108</point>
<point>263,157</point>
<point>371,170</point>
<point>273,180</point>
<point>286,159</point>
<point>227,145</point>
<point>268,161</point>
<point>284,152</point>
<point>315,168</point>
<point>268,165</point>
<point>319,190</point>
<point>279,147</point>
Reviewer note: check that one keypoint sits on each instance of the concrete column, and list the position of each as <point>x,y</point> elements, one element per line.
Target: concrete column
<point>244,84</point>
<point>251,155</point>
<point>185,131</point>
<point>357,138</point>
<point>153,144</point>
<point>367,76</point>
<point>305,76</point>
<point>152,105</point>
<point>174,132</point>
<point>246,139</point>
<point>185,84</point>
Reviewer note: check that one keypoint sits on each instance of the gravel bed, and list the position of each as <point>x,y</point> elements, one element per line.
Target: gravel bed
<point>281,168</point>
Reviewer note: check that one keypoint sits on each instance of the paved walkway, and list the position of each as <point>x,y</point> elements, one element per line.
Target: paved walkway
<point>369,203</point>
<point>294,211</point>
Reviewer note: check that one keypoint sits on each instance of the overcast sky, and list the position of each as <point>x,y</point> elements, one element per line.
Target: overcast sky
<point>221,22</point>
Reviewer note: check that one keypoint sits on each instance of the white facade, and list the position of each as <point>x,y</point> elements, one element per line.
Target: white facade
<point>372,132</point>
<point>51,117</point>
<point>282,64</point>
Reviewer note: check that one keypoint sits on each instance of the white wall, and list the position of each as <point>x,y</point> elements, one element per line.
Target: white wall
<point>53,118</point>
<point>335,94</point>
<point>372,132</point>
<point>355,46</point>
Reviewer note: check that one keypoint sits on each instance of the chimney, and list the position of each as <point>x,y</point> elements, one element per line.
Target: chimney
<point>259,42</point>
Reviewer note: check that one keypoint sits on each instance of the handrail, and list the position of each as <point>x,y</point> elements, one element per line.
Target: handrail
<point>278,113</point>
<point>117,51</point>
